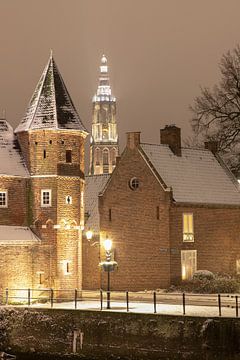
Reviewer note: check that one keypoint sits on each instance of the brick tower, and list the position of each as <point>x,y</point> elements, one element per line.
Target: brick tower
<point>104,146</point>
<point>51,137</point>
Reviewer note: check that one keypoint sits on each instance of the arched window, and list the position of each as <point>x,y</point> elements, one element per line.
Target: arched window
<point>113,156</point>
<point>105,157</point>
<point>97,156</point>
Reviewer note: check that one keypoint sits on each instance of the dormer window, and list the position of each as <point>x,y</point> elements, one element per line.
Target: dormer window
<point>68,156</point>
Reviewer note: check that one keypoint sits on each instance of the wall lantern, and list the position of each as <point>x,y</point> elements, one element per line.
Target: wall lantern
<point>89,235</point>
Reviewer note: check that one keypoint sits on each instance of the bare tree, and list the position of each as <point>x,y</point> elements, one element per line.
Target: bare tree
<point>216,112</point>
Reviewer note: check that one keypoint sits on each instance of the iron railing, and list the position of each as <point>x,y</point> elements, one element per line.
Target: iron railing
<point>151,301</point>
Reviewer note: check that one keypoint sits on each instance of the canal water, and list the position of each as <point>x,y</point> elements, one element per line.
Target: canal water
<point>184,356</point>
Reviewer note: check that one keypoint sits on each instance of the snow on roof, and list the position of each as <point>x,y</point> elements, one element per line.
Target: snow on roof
<point>93,186</point>
<point>17,235</point>
<point>195,177</point>
<point>11,161</point>
<point>51,106</point>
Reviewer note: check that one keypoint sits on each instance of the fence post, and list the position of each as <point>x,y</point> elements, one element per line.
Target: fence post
<point>236,297</point>
<point>155,301</point>
<point>51,297</point>
<point>219,305</point>
<point>101,299</point>
<point>7,294</point>
<point>75,298</point>
<point>29,296</point>
<point>127,300</point>
<point>184,303</point>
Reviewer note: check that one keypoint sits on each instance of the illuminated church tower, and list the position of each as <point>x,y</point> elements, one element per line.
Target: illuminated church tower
<point>104,146</point>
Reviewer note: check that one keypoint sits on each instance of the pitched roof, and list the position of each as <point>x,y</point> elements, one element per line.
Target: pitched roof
<point>195,177</point>
<point>11,161</point>
<point>93,186</point>
<point>17,235</point>
<point>51,106</point>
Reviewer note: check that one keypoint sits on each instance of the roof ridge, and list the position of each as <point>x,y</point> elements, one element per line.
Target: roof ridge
<point>182,147</point>
<point>55,102</point>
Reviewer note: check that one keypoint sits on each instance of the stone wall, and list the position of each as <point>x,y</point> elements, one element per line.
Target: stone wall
<point>112,335</point>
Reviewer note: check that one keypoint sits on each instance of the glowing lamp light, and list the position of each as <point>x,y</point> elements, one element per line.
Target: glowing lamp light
<point>89,235</point>
<point>107,244</point>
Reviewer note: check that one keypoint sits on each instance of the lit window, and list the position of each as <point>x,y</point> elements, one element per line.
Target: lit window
<point>188,234</point>
<point>238,266</point>
<point>3,199</point>
<point>134,183</point>
<point>46,198</point>
<point>68,200</point>
<point>188,263</point>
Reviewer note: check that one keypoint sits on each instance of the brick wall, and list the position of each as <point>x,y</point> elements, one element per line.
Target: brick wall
<point>16,212</point>
<point>140,239</point>
<point>216,238</point>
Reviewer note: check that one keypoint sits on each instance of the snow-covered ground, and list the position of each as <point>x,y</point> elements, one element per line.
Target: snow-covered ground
<point>144,307</point>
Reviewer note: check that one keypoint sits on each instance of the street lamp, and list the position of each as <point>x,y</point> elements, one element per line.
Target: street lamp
<point>108,265</point>
<point>89,235</point>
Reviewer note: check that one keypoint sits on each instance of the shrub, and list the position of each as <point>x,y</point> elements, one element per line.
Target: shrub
<point>203,274</point>
<point>204,283</point>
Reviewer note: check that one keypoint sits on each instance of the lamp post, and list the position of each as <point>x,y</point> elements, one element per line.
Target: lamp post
<point>108,265</point>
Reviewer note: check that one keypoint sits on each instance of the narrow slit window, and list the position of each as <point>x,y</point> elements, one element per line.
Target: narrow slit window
<point>157,212</point>
<point>44,154</point>
<point>110,214</point>
<point>68,156</point>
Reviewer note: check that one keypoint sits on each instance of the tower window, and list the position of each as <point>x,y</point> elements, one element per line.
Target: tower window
<point>105,157</point>
<point>40,277</point>
<point>66,267</point>
<point>3,199</point>
<point>50,142</point>
<point>44,154</point>
<point>62,141</point>
<point>110,214</point>
<point>46,198</point>
<point>68,200</point>
<point>157,212</point>
<point>68,156</point>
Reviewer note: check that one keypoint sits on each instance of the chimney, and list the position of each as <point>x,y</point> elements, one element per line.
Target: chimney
<point>171,135</point>
<point>133,139</point>
<point>212,146</point>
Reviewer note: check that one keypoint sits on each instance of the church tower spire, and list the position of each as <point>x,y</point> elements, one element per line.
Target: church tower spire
<point>104,146</point>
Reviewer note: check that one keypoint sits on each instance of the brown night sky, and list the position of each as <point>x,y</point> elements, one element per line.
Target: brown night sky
<point>159,53</point>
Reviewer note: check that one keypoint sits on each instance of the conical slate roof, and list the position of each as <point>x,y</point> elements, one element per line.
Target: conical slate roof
<point>51,106</point>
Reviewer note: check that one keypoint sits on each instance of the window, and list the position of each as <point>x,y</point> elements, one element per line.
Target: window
<point>3,199</point>
<point>97,155</point>
<point>157,212</point>
<point>110,214</point>
<point>40,277</point>
<point>66,267</point>
<point>68,156</point>
<point>105,157</point>
<point>238,266</point>
<point>188,234</point>
<point>134,183</point>
<point>68,200</point>
<point>46,198</point>
<point>44,154</point>
<point>188,263</point>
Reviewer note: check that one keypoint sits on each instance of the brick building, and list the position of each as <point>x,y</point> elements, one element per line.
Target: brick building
<point>41,191</point>
<point>169,212</point>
